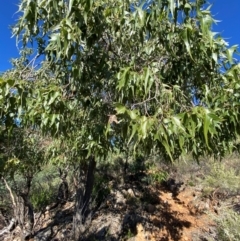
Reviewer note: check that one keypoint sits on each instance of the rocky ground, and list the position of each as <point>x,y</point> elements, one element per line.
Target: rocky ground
<point>130,214</point>
<point>137,211</point>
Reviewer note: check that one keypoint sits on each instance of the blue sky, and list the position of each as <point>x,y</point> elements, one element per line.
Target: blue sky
<point>226,11</point>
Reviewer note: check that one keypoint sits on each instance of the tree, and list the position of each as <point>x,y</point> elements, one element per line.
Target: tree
<point>116,76</point>
<point>22,157</point>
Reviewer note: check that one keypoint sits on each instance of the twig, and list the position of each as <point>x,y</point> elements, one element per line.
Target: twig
<point>8,228</point>
<point>30,63</point>
<point>141,103</point>
<point>10,192</point>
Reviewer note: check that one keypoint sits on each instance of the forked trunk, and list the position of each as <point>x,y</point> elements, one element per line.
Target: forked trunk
<point>23,209</point>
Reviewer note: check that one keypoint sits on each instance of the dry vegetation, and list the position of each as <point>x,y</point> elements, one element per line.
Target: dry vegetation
<point>183,201</point>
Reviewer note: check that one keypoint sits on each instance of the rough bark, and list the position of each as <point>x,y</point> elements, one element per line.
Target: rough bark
<point>26,211</point>
<point>23,209</point>
<point>83,196</point>
<point>9,228</point>
<point>63,192</point>
<point>29,216</point>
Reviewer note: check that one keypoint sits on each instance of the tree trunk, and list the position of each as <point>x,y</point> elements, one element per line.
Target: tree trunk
<point>83,196</point>
<point>29,216</point>
<point>23,209</point>
<point>63,192</point>
<point>27,209</point>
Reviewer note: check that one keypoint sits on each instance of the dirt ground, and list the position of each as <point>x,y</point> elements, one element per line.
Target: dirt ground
<point>179,218</point>
<point>172,217</point>
<point>134,211</point>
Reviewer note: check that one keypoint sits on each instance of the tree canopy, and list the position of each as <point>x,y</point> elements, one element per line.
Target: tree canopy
<point>96,77</point>
<point>115,75</point>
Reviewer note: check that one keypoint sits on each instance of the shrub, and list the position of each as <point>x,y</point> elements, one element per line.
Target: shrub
<point>228,225</point>
<point>223,177</point>
<point>41,199</point>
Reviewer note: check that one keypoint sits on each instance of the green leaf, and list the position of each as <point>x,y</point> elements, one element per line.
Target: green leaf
<point>11,82</point>
<point>120,109</point>
<point>215,57</point>
<point>206,124</point>
<point>187,6</point>
<point>124,78</point>
<point>88,5</point>
<point>167,148</point>
<point>171,4</point>
<point>53,97</point>
<point>133,114</point>
<point>142,15</point>
<point>230,52</point>
<point>186,41</point>
<point>144,126</point>
<point>134,130</point>
<point>147,73</point>
<point>181,142</point>
<point>177,122</point>
<point>70,7</point>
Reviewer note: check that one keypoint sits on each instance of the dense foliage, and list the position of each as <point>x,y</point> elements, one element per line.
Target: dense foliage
<point>104,76</point>
<point>115,73</point>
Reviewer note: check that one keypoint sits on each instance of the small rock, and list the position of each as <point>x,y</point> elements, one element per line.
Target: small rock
<point>169,196</point>
<point>101,233</point>
<point>150,208</point>
<point>157,222</point>
<point>207,206</point>
<point>17,239</point>
<point>124,192</point>
<point>119,198</point>
<point>43,235</point>
<point>130,192</point>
